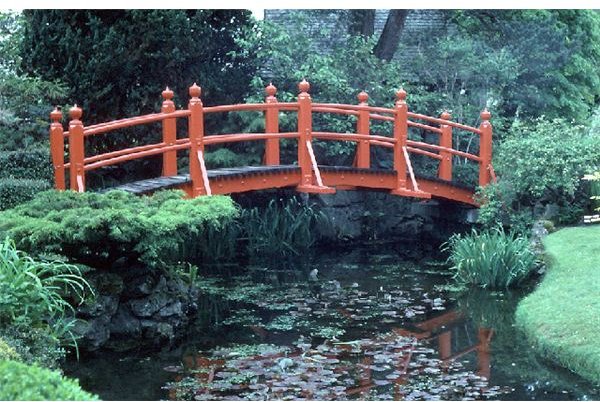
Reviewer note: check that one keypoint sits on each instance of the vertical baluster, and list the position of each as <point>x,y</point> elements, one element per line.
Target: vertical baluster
<point>485,148</point>
<point>445,170</point>
<point>57,148</point>
<point>169,130</point>
<point>305,134</point>
<point>271,126</point>
<point>401,136</point>
<point>363,148</point>
<point>76,150</point>
<point>198,177</point>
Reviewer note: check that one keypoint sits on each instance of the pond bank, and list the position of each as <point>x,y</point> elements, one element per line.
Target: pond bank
<point>562,316</point>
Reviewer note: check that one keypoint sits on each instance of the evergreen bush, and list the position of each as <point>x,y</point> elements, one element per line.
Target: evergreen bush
<point>20,382</point>
<point>99,229</point>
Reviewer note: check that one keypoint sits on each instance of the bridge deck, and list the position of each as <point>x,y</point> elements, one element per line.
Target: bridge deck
<point>332,175</point>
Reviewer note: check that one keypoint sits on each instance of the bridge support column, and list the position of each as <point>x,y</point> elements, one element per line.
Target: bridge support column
<point>76,150</point>
<point>445,169</point>
<point>169,129</point>
<point>363,148</point>
<point>483,352</point>
<point>485,148</point>
<point>57,149</point>
<point>198,174</point>
<point>271,126</point>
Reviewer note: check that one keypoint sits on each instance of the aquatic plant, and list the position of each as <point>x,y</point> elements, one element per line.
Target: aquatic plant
<point>490,259</point>
<point>283,227</point>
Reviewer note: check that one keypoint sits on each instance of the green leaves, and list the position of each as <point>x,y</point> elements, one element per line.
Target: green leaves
<point>98,229</point>
<point>490,259</point>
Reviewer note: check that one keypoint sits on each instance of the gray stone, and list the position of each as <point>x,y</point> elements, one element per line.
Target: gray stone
<point>124,324</point>
<point>173,309</point>
<point>103,304</point>
<point>92,334</point>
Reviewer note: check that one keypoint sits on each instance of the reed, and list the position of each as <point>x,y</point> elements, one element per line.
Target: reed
<point>490,259</point>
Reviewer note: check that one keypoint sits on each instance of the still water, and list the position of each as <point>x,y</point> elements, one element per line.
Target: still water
<point>364,325</point>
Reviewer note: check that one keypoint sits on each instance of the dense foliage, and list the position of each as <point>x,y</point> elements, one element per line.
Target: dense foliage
<point>556,54</point>
<point>539,163</point>
<point>7,352</point>
<point>116,62</point>
<point>21,382</point>
<point>100,229</point>
<point>33,292</point>
<point>491,259</point>
<point>23,174</point>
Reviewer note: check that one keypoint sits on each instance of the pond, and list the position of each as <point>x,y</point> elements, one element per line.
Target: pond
<point>359,324</point>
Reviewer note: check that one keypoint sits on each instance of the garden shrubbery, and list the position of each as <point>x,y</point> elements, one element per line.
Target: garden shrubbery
<point>99,229</point>
<point>20,382</point>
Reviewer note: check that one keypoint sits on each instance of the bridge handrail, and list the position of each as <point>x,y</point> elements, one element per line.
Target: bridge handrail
<point>399,115</point>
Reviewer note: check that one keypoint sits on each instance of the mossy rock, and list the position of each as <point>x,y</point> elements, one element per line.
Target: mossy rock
<point>20,382</point>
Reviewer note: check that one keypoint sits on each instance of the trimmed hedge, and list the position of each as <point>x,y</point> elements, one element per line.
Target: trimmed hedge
<point>32,163</point>
<point>23,174</point>
<point>19,382</point>
<point>17,191</point>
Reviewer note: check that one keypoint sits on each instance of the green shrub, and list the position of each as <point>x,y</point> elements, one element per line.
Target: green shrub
<point>17,191</point>
<point>99,229</point>
<point>7,352</point>
<point>34,345</point>
<point>284,227</point>
<point>490,259</point>
<point>21,382</point>
<point>32,163</point>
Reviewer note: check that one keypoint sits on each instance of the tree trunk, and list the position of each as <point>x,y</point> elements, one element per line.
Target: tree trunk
<point>362,22</point>
<point>390,37</point>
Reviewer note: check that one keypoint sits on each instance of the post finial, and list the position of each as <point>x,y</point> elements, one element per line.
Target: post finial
<point>167,94</point>
<point>75,112</point>
<point>271,89</point>
<point>195,91</point>
<point>445,115</point>
<point>304,86</point>
<point>485,115</point>
<point>56,115</point>
<point>363,97</point>
<point>401,95</point>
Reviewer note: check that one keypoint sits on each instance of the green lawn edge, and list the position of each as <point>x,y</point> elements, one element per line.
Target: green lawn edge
<point>562,316</point>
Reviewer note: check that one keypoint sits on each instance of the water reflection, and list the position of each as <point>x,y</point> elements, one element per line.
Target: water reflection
<point>385,366</point>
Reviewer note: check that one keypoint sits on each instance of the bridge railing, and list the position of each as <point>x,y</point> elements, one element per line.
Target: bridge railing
<point>78,163</point>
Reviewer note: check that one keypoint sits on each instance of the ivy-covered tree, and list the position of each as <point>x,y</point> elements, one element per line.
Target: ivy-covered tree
<point>116,62</point>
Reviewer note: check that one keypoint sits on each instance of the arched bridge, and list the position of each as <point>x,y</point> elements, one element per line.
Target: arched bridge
<point>306,174</point>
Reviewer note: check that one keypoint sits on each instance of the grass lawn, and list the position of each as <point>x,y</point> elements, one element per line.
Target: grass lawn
<point>562,316</point>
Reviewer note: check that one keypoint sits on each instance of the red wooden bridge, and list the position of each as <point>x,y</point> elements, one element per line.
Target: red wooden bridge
<point>306,175</point>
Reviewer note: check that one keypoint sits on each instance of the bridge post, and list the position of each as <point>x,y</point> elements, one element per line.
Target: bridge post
<point>196,133</point>
<point>57,148</point>
<point>169,129</point>
<point>401,136</point>
<point>304,134</point>
<point>76,150</point>
<point>485,148</point>
<point>271,126</point>
<point>363,149</point>
<point>445,169</point>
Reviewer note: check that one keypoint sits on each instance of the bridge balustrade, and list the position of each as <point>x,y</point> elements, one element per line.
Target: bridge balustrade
<point>404,181</point>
